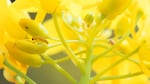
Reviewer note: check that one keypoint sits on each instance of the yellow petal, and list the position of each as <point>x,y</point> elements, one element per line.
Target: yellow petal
<point>28,5</point>
<point>1,61</point>
<point>113,8</point>
<point>49,5</point>
<point>10,22</point>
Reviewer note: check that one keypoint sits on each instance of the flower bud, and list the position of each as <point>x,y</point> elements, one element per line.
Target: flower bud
<point>34,60</point>
<point>33,28</point>
<point>123,26</point>
<point>32,46</point>
<point>89,18</point>
<point>112,8</point>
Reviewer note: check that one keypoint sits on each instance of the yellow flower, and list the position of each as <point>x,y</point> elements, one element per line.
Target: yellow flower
<point>11,31</point>
<point>111,9</point>
<point>9,74</point>
<point>27,5</point>
<point>81,28</point>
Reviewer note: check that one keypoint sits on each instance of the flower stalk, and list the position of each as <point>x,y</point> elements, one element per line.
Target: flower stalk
<point>112,65</point>
<point>22,75</point>
<point>68,49</point>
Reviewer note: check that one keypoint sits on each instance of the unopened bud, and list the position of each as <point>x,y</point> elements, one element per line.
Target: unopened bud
<point>112,8</point>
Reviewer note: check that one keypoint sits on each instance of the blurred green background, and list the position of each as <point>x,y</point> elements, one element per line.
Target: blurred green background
<point>47,74</point>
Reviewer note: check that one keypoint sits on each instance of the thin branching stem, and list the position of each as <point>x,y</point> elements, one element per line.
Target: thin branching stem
<point>111,48</point>
<point>95,78</point>
<point>59,68</point>
<point>29,80</point>
<point>70,52</point>
<point>120,76</point>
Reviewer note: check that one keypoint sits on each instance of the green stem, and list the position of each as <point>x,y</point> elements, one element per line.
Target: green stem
<point>68,49</point>
<point>86,75</point>
<point>62,59</point>
<point>85,78</point>
<point>101,25</point>
<point>130,59</point>
<point>109,49</point>
<point>113,65</point>
<point>120,76</point>
<point>19,80</point>
<point>74,30</point>
<point>29,80</point>
<point>60,43</point>
<point>60,69</point>
<point>116,52</point>
<point>67,58</point>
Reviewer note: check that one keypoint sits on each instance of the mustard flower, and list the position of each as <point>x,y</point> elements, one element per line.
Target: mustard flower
<point>97,36</point>
<point>11,31</point>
